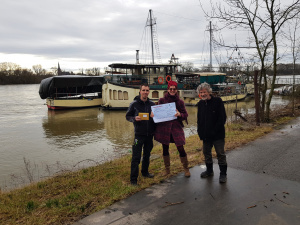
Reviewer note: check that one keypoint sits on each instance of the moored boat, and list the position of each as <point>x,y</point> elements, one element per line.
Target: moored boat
<point>226,91</point>
<point>72,91</point>
<point>120,88</point>
<point>122,81</point>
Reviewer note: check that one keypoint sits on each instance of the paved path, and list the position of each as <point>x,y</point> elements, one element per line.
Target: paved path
<point>263,188</point>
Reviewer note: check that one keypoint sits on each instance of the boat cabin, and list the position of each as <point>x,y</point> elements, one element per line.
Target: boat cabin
<point>136,74</point>
<point>71,86</point>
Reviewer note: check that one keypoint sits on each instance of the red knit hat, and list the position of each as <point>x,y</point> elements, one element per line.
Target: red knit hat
<point>172,83</point>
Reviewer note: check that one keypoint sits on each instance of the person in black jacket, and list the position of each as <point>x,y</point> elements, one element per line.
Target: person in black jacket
<point>144,128</point>
<point>211,118</point>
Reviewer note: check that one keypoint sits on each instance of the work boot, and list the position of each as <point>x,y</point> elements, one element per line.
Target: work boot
<point>148,175</point>
<point>167,164</point>
<point>185,163</point>
<point>223,173</point>
<point>209,171</point>
<point>133,182</point>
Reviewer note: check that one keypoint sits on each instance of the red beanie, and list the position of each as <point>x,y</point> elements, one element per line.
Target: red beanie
<point>172,83</point>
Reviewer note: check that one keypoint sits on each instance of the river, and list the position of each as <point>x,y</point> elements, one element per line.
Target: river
<point>37,143</point>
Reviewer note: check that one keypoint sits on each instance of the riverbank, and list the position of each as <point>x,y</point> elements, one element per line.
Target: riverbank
<point>69,197</point>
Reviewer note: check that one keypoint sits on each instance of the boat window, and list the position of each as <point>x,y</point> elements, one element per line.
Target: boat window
<point>120,95</point>
<point>155,94</point>
<point>165,92</point>
<point>115,95</point>
<point>110,97</point>
<point>125,94</point>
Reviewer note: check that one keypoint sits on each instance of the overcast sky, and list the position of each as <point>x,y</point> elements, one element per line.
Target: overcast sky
<point>94,33</point>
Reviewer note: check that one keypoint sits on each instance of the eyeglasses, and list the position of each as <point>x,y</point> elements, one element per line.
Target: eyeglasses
<point>172,89</point>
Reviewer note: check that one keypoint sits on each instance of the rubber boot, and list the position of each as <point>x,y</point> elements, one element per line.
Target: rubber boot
<point>185,163</point>
<point>167,164</point>
<point>209,171</point>
<point>223,173</point>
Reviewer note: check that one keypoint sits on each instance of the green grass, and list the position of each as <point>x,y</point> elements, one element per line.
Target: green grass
<point>68,197</point>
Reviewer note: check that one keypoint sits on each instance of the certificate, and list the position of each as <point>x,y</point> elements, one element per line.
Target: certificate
<point>164,112</point>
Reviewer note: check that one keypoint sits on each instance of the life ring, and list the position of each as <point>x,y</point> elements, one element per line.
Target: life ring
<point>239,82</point>
<point>160,80</point>
<point>170,78</point>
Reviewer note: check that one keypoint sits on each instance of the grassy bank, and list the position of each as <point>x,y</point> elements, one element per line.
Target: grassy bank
<point>69,197</point>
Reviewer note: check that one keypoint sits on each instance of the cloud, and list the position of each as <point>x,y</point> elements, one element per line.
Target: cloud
<point>98,33</point>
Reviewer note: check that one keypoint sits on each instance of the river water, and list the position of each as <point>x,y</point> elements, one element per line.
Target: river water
<point>37,143</point>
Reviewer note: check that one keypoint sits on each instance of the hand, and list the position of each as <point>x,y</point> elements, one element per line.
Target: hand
<point>178,114</point>
<point>152,115</point>
<point>137,118</point>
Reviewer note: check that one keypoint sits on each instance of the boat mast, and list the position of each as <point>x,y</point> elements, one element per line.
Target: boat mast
<point>210,47</point>
<point>151,29</point>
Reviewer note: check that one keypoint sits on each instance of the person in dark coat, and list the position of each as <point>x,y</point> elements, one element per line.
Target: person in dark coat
<point>211,118</point>
<point>172,131</point>
<point>143,133</point>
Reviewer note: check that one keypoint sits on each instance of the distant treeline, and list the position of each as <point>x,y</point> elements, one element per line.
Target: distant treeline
<point>11,73</point>
<point>286,69</point>
<point>21,77</point>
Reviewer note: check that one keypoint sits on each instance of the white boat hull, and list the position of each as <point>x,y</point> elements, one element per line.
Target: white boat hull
<point>119,97</point>
<point>73,103</point>
<point>229,98</point>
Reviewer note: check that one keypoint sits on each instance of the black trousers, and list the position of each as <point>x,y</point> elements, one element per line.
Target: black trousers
<point>145,144</point>
<point>219,148</point>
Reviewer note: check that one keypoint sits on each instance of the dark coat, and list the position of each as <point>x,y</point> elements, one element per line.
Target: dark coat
<point>175,127</point>
<point>144,127</point>
<point>211,119</point>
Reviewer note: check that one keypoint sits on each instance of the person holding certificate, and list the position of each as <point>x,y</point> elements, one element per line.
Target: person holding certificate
<point>172,131</point>
<point>139,113</point>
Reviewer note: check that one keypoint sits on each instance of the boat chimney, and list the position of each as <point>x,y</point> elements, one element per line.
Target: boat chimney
<point>137,57</point>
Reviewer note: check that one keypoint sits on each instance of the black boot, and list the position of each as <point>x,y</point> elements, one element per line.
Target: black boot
<point>209,171</point>
<point>223,173</point>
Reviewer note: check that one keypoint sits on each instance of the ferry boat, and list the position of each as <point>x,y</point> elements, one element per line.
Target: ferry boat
<point>119,90</point>
<point>72,91</point>
<point>122,84</point>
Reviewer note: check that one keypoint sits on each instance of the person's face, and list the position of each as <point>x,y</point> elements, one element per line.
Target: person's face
<point>144,92</point>
<point>172,90</point>
<point>204,95</point>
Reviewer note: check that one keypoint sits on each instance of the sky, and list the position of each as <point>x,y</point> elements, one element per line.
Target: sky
<point>95,33</point>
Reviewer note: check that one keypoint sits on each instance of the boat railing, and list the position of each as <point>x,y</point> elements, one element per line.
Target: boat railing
<point>77,95</point>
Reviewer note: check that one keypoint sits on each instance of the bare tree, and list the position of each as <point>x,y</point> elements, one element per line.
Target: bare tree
<point>187,66</point>
<point>9,68</point>
<point>95,71</point>
<point>294,38</point>
<point>37,69</point>
<point>54,70</point>
<point>265,19</point>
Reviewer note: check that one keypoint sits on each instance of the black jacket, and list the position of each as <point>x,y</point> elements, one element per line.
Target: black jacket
<point>211,119</point>
<point>144,127</point>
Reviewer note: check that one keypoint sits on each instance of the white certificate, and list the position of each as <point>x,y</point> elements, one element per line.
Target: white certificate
<point>164,112</point>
